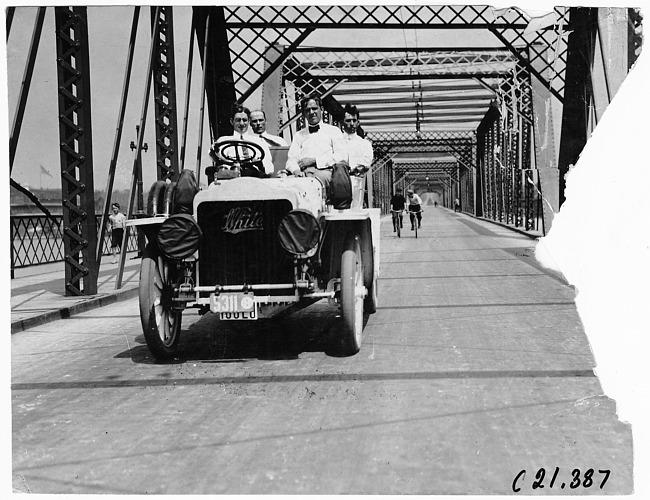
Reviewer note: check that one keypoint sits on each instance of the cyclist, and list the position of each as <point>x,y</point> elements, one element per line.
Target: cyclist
<point>414,207</point>
<point>397,203</point>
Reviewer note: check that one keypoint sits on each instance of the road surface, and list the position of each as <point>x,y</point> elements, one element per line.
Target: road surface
<point>474,368</point>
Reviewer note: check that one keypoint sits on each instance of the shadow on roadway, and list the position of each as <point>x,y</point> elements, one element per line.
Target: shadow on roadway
<point>281,338</point>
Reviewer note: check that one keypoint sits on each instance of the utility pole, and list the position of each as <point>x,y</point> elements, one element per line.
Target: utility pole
<point>139,190</point>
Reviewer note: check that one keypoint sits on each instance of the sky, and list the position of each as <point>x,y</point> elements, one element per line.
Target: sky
<point>109,32</point>
<point>600,239</point>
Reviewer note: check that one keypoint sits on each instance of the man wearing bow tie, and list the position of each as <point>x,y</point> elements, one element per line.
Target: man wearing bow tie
<point>316,148</point>
<point>258,124</point>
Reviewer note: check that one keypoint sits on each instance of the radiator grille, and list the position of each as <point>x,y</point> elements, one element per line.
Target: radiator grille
<point>240,243</point>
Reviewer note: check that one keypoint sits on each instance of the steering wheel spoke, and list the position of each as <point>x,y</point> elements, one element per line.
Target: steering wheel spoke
<point>233,152</point>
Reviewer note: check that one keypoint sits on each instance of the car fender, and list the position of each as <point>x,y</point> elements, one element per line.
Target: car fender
<point>336,225</point>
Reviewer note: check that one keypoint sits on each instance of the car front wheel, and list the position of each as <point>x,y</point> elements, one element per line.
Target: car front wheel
<point>161,324</point>
<point>352,295</point>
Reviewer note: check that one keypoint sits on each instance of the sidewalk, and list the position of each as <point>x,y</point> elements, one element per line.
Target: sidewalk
<point>38,292</point>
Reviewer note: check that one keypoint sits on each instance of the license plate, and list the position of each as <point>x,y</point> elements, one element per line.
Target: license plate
<point>234,306</point>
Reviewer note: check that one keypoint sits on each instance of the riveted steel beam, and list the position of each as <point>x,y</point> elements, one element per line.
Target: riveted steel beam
<point>164,88</point>
<point>75,132</point>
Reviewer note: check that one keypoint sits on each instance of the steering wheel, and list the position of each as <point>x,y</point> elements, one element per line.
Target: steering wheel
<point>238,152</point>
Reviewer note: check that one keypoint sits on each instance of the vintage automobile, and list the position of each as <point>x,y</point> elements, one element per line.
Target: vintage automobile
<point>248,248</point>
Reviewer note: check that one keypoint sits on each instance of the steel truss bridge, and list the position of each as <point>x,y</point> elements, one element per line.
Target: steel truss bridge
<point>495,123</point>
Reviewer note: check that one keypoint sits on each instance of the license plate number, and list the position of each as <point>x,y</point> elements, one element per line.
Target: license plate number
<point>234,306</point>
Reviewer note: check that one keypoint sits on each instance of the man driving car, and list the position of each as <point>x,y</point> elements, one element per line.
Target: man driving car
<point>240,120</point>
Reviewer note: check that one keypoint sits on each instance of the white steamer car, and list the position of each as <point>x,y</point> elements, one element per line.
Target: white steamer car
<point>252,248</point>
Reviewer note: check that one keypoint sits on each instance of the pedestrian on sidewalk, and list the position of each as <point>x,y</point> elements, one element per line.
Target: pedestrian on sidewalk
<point>117,223</point>
<point>456,205</point>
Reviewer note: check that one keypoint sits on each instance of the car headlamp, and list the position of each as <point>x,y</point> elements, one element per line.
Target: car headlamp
<point>179,236</point>
<point>299,233</point>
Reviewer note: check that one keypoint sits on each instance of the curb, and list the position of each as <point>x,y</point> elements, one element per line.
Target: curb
<point>512,228</point>
<point>66,312</point>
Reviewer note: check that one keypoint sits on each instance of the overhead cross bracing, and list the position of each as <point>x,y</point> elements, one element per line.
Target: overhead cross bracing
<point>435,105</point>
<point>253,30</point>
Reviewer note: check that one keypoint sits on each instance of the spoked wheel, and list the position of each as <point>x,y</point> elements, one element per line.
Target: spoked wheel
<point>352,295</point>
<point>160,323</point>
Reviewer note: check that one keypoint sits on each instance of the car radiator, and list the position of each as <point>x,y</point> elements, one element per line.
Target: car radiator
<point>240,243</point>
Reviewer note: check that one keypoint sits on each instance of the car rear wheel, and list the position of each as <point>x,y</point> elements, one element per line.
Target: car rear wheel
<point>352,295</point>
<point>161,324</point>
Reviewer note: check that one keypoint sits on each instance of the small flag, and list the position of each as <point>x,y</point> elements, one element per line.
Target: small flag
<point>45,171</point>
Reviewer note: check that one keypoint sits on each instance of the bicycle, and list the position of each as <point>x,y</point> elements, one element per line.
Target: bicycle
<point>414,221</point>
<point>397,222</point>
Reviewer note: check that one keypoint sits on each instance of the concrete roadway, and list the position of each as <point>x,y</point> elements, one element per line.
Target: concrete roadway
<point>474,368</point>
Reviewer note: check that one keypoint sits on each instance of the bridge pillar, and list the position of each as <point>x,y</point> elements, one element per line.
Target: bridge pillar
<point>220,85</point>
<point>271,91</point>
<point>75,132</point>
<point>545,152</point>
<point>577,93</point>
<point>164,86</point>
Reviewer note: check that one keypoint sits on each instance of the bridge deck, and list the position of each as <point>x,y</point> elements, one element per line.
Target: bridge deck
<point>474,368</point>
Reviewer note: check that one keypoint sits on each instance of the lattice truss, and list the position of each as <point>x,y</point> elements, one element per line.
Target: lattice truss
<point>421,170</point>
<point>259,35</point>
<point>164,96</point>
<point>75,132</point>
<point>389,64</point>
<point>321,72</point>
<point>460,144</point>
<point>546,48</point>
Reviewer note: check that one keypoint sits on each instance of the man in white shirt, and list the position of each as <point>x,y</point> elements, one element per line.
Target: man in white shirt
<point>240,121</point>
<point>414,207</point>
<point>360,152</point>
<point>258,125</point>
<point>317,147</point>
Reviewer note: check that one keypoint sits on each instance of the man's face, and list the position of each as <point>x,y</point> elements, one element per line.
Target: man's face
<point>258,122</point>
<point>240,122</point>
<point>350,123</point>
<point>313,112</point>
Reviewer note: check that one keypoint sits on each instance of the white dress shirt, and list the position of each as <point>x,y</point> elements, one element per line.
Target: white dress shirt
<point>267,161</point>
<point>414,200</point>
<point>275,140</point>
<point>359,151</point>
<point>326,146</point>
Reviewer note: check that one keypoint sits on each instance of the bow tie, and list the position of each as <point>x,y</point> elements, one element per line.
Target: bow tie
<point>314,129</point>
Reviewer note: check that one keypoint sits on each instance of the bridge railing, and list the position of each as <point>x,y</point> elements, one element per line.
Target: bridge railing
<point>36,239</point>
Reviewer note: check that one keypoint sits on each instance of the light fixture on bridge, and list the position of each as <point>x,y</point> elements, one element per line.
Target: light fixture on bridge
<point>419,111</point>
